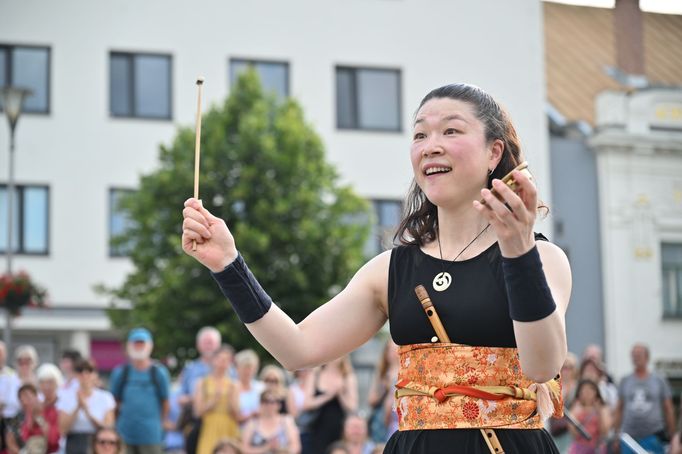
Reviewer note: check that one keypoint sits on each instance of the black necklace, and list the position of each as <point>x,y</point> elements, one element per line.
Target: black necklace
<point>443,279</point>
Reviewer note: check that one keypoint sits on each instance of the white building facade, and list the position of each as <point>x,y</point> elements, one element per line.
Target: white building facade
<point>112,81</point>
<point>639,159</point>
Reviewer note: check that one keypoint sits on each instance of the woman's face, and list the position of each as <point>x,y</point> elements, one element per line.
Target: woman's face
<point>28,400</point>
<point>221,361</point>
<point>48,388</point>
<point>449,154</point>
<point>269,405</point>
<point>25,365</point>
<point>87,378</point>
<point>590,372</point>
<point>107,442</point>
<point>246,371</point>
<point>588,395</point>
<point>272,381</point>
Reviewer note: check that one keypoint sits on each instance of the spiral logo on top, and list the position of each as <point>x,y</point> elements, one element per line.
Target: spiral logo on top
<point>442,281</point>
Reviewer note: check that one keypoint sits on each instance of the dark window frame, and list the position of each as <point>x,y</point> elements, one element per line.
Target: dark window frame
<point>253,62</point>
<point>48,76</point>
<point>131,94</point>
<point>111,252</point>
<point>678,268</point>
<point>354,88</point>
<point>20,215</point>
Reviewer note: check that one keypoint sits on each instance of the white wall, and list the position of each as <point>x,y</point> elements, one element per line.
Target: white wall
<point>80,151</point>
<point>640,185</point>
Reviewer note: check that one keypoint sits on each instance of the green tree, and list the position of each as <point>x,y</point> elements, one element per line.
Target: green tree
<point>263,170</point>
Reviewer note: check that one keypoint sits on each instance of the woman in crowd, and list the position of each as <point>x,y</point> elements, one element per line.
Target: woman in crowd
<point>82,412</point>
<point>247,363</point>
<point>34,431</point>
<point>593,414</point>
<point>331,394</point>
<point>216,402</point>
<point>27,361</point>
<point>271,432</point>
<point>50,379</point>
<point>106,441</point>
<point>274,380</point>
<point>383,383</point>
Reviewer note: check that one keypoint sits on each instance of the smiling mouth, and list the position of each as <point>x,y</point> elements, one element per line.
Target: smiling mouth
<point>437,170</point>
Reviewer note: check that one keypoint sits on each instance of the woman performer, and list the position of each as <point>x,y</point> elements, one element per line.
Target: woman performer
<point>501,295</point>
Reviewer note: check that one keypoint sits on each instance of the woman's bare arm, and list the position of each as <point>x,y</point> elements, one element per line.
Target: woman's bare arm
<point>338,327</point>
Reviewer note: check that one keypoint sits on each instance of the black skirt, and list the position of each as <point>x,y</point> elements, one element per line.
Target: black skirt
<point>470,441</point>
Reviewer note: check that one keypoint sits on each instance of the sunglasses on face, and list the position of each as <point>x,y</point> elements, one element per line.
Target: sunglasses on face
<point>269,401</point>
<point>271,380</point>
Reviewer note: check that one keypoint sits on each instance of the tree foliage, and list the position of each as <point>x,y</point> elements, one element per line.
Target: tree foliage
<point>263,170</point>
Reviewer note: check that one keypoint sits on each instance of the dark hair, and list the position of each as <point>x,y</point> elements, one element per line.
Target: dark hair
<point>589,361</point>
<point>106,429</point>
<point>85,365</point>
<point>268,395</point>
<point>588,382</point>
<point>73,355</point>
<point>27,387</point>
<point>420,219</point>
<point>224,348</point>
<point>337,445</point>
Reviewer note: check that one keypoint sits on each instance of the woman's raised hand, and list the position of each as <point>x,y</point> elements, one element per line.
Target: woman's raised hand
<point>514,228</point>
<point>215,244</point>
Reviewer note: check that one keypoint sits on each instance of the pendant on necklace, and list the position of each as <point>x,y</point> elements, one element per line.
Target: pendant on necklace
<point>442,281</point>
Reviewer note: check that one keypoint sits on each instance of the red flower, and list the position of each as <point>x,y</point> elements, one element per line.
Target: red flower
<point>470,410</point>
<point>17,291</point>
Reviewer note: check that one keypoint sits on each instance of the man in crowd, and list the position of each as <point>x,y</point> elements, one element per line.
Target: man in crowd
<point>207,342</point>
<point>645,407</point>
<point>141,388</point>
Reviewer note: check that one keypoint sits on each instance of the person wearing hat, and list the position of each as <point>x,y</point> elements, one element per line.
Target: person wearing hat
<point>141,388</point>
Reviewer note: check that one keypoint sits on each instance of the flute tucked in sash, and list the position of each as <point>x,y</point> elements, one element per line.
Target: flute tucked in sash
<point>452,386</point>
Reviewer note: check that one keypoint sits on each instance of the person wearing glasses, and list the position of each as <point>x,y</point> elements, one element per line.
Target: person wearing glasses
<point>271,432</point>
<point>106,441</point>
<point>274,380</point>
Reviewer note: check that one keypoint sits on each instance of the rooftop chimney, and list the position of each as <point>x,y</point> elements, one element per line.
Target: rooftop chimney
<point>629,30</point>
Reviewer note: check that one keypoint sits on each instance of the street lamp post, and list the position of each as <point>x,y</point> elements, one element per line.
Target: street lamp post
<point>12,101</point>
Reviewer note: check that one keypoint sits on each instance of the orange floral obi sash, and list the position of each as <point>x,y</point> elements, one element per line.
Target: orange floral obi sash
<point>454,386</point>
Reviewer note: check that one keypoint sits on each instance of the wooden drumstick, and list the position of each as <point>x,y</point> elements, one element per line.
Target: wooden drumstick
<point>431,313</point>
<point>197,147</point>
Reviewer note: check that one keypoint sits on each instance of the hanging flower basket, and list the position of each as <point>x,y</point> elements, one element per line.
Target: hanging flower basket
<point>18,291</point>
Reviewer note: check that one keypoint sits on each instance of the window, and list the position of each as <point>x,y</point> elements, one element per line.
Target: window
<point>140,85</point>
<point>27,67</point>
<point>274,76</point>
<point>119,223</point>
<point>671,258</point>
<point>30,216</point>
<point>388,215</point>
<point>368,99</point>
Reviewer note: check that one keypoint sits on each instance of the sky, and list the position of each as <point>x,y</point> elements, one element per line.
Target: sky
<point>654,6</point>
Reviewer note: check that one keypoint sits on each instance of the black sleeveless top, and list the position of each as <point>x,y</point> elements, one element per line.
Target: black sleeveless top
<point>474,311</point>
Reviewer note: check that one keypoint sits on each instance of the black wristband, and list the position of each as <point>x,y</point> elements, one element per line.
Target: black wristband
<point>240,286</point>
<point>529,296</point>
